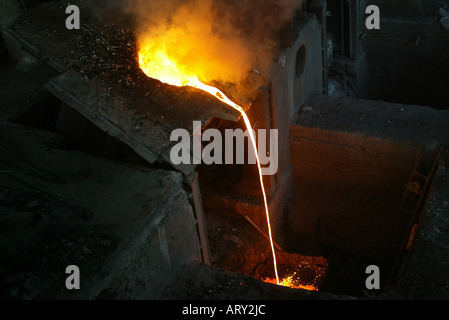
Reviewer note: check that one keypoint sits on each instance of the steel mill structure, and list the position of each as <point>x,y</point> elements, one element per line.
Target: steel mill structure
<point>87,177</point>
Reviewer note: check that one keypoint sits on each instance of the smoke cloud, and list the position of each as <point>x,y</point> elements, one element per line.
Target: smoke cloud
<point>219,40</point>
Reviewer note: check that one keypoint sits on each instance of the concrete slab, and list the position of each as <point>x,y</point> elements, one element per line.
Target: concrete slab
<point>127,228</point>
<point>377,119</point>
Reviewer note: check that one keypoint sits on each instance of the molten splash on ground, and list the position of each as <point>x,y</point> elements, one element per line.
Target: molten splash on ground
<point>297,271</point>
<point>292,283</point>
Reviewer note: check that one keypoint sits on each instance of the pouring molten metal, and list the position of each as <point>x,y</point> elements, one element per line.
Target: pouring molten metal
<point>156,62</point>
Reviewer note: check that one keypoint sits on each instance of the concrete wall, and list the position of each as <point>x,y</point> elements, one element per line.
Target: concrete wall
<point>407,58</point>
<point>346,192</point>
<point>347,184</point>
<point>290,91</point>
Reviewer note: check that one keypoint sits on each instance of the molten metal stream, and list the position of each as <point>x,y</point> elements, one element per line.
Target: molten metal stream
<point>156,64</point>
<point>222,97</point>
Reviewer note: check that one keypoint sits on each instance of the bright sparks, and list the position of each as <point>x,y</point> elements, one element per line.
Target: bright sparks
<point>292,283</point>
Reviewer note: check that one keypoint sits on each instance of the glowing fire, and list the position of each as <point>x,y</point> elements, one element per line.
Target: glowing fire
<point>158,64</point>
